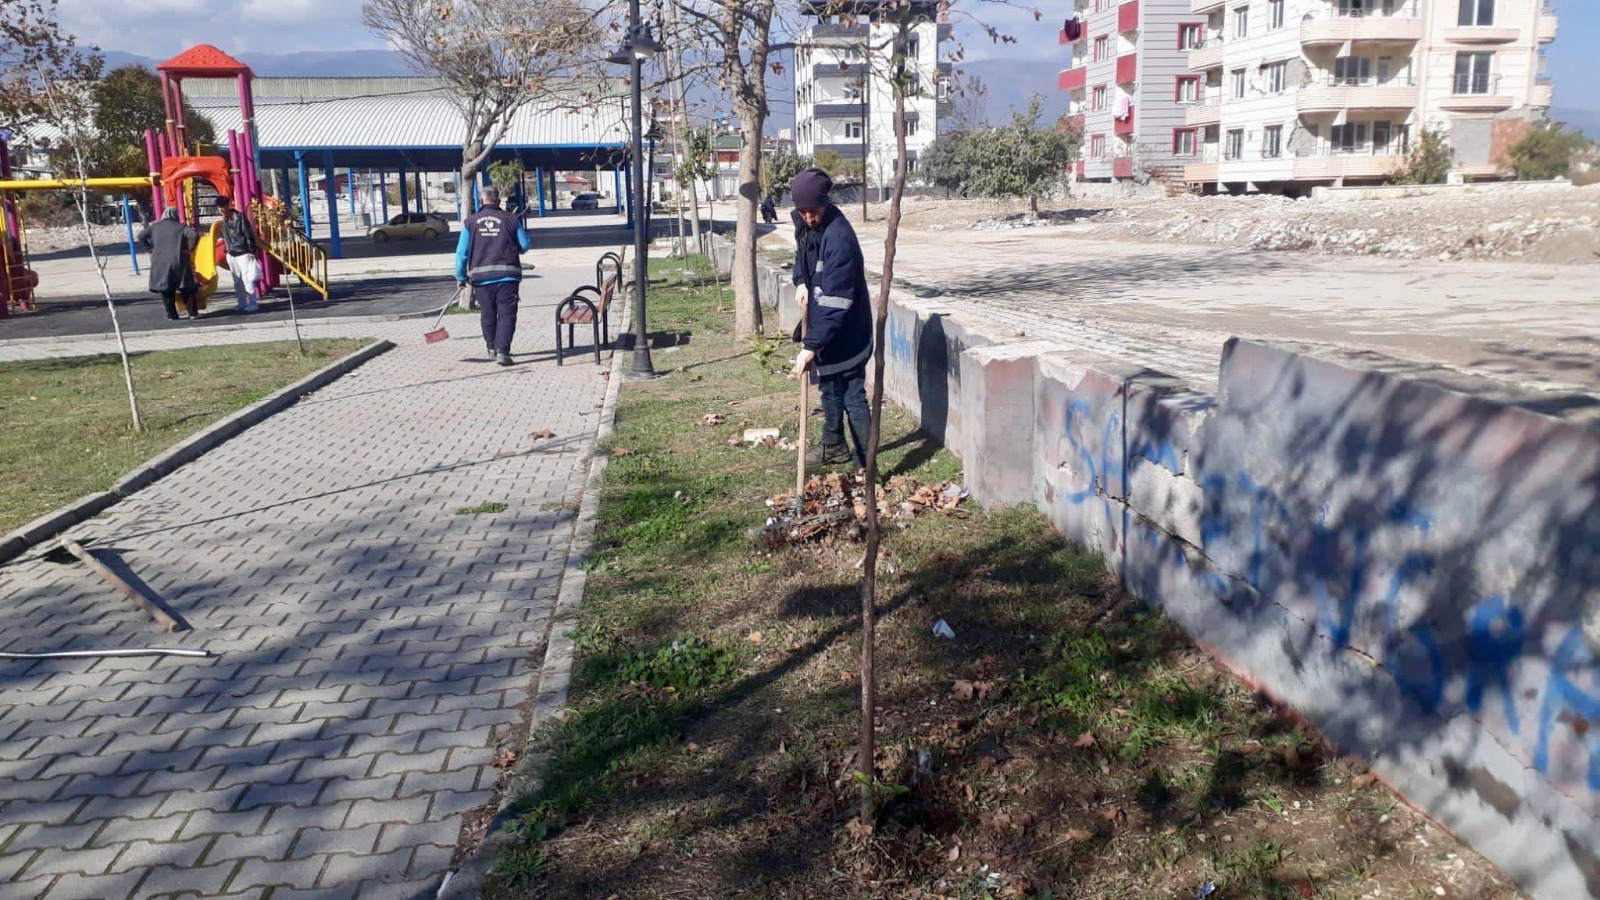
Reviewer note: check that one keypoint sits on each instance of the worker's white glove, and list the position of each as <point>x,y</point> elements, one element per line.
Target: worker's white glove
<point>802,362</point>
<point>801,296</point>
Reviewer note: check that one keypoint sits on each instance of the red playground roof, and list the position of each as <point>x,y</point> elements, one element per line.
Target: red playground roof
<point>204,61</point>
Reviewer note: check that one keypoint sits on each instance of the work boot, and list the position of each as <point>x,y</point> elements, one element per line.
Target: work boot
<point>828,455</point>
<point>503,359</point>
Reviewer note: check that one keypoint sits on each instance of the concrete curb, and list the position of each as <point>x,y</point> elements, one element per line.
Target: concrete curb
<point>54,523</point>
<point>555,675</point>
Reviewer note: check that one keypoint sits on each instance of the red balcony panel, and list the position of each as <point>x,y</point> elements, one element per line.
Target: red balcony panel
<point>1127,68</point>
<point>1082,167</point>
<point>1124,126</point>
<point>1122,167</point>
<point>1072,123</point>
<point>1128,16</point>
<point>1073,79</point>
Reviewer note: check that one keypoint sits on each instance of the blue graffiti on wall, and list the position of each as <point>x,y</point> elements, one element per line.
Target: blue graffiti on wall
<point>1104,463</point>
<point>899,341</point>
<point>1340,566</point>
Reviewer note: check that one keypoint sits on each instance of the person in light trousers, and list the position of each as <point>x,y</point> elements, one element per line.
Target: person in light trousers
<point>240,244</point>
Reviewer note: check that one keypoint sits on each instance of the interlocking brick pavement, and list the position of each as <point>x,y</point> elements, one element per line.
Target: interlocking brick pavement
<point>374,646</point>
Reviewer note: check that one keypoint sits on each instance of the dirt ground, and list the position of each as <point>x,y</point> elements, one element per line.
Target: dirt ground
<point>1545,226</point>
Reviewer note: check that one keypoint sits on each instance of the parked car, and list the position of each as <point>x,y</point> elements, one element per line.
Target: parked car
<point>410,225</point>
<point>586,200</point>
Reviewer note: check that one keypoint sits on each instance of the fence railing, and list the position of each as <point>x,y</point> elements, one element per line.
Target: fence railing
<point>1476,83</point>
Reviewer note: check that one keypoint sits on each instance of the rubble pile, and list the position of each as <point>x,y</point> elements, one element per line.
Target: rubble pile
<point>1547,226</point>
<point>835,508</point>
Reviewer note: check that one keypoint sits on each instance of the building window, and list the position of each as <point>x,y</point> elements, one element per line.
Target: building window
<point>1235,146</point>
<point>913,48</point>
<point>1272,142</point>
<point>1382,134</point>
<point>1101,48</point>
<point>1475,12</point>
<point>911,166</point>
<point>1241,21</point>
<point>1472,73</point>
<point>852,131</point>
<point>1183,142</point>
<point>1189,36</point>
<point>1238,84</point>
<point>1274,15</point>
<point>1097,146</point>
<point>1352,70</point>
<point>1350,138</point>
<point>1188,89</point>
<point>1277,75</point>
<point>911,127</point>
<point>1099,98</point>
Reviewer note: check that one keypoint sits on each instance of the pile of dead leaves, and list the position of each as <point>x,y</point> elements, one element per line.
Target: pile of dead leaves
<point>835,508</point>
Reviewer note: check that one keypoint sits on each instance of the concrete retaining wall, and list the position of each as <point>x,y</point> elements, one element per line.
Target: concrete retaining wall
<point>1417,571</point>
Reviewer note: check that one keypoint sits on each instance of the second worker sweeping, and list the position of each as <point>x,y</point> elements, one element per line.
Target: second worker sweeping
<point>489,257</point>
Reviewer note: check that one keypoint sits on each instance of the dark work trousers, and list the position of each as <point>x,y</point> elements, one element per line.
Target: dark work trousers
<point>845,395</point>
<point>169,299</point>
<point>498,313</point>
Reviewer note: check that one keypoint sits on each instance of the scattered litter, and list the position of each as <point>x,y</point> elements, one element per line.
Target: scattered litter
<point>505,759</point>
<point>942,629</point>
<point>713,419</point>
<point>1084,741</point>
<point>759,435</point>
<point>1205,890</point>
<point>620,452</point>
<point>543,434</point>
<point>835,507</point>
<point>673,350</point>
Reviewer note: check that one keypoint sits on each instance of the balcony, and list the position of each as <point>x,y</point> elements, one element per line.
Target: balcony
<point>1123,126</point>
<point>1203,166</point>
<point>1336,94</point>
<point>1207,112</point>
<point>1206,56</point>
<point>823,31</point>
<point>1548,26</point>
<point>1329,166</point>
<point>1122,167</point>
<point>1481,34</point>
<point>1337,26</point>
<point>1542,95</point>
<point>1128,16</point>
<point>1061,36</point>
<point>1476,93</point>
<point>1127,68</point>
<point>1081,168</point>
<point>1073,122</point>
<point>849,109</point>
<point>850,70</point>
<point>1201,7</point>
<point>848,150</point>
<point>1072,79</point>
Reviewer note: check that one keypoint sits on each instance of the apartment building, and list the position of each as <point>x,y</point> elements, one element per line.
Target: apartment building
<point>845,105</point>
<point>1125,85</point>
<point>1283,95</point>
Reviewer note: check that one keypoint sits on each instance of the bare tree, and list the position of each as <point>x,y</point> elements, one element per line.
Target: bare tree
<point>902,17</point>
<point>493,56</point>
<point>35,51</point>
<point>733,40</point>
<point>71,107</point>
<point>971,98</point>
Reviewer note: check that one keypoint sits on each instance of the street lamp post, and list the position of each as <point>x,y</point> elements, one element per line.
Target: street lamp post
<point>639,45</point>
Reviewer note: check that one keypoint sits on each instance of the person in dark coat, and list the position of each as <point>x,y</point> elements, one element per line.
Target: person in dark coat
<point>769,210</point>
<point>171,244</point>
<point>837,306</point>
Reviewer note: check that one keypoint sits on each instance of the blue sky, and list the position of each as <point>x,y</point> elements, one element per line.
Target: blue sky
<point>161,28</point>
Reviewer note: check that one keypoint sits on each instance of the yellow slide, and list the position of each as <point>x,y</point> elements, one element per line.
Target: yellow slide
<point>205,261</point>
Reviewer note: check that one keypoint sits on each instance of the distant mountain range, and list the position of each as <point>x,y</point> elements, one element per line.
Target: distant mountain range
<point>1009,83</point>
<point>308,64</point>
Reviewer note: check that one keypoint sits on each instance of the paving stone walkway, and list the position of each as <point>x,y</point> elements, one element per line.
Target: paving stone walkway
<point>374,647</point>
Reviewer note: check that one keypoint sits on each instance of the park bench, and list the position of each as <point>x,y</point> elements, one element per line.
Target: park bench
<point>590,305</point>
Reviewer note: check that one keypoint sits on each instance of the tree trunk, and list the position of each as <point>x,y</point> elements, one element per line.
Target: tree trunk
<point>468,177</point>
<point>1033,205</point>
<point>869,581</point>
<point>746,296</point>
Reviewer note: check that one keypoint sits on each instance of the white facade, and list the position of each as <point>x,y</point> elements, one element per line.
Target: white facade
<point>1122,81</point>
<point>832,77</point>
<point>1293,93</point>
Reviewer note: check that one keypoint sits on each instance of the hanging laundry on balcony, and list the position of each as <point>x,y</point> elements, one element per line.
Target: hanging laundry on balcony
<point>1124,107</point>
<point>1073,29</point>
